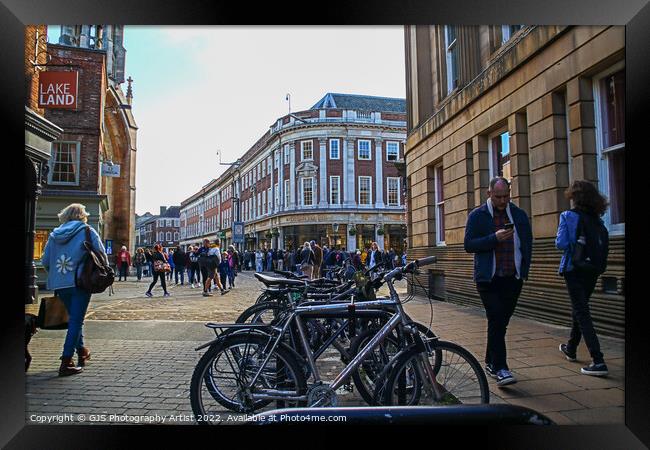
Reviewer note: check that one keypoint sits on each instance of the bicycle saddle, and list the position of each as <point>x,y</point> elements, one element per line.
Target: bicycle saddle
<point>270,281</point>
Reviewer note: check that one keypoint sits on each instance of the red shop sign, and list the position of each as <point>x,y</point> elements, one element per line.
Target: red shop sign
<point>58,90</point>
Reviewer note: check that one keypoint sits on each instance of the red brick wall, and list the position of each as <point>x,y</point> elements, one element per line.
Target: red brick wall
<point>31,72</point>
<point>82,124</point>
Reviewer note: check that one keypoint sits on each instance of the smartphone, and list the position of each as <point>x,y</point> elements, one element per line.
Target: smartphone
<point>509,226</point>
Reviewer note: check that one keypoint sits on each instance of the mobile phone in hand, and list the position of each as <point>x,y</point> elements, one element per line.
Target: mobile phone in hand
<point>509,226</point>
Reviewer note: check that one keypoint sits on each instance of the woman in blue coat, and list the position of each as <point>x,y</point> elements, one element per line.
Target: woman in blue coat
<point>62,259</point>
<point>589,206</point>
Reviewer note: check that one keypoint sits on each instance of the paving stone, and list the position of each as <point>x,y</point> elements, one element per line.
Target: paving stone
<point>598,398</point>
<point>547,403</point>
<point>592,416</point>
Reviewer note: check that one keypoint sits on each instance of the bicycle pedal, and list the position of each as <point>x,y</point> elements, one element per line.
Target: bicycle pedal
<point>348,387</point>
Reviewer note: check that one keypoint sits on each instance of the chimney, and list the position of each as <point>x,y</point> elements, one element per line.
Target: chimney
<point>163,209</point>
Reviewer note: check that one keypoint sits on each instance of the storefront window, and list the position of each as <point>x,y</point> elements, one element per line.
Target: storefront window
<point>365,236</point>
<point>40,239</point>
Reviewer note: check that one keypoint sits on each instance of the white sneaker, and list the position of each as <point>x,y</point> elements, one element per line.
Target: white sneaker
<point>192,285</point>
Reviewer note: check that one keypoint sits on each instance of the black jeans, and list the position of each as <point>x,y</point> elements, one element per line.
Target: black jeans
<point>157,275</point>
<point>124,270</point>
<point>580,287</point>
<point>499,298</point>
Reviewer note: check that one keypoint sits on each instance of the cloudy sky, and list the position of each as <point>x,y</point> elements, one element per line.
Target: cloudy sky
<point>199,90</point>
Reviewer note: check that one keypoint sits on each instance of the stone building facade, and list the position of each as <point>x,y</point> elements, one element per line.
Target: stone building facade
<point>316,174</point>
<point>99,131</point>
<point>540,105</point>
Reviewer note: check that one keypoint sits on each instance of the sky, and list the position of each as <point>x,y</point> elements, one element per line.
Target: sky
<point>198,90</point>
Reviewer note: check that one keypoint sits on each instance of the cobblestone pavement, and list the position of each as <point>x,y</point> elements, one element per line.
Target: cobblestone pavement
<point>143,358</point>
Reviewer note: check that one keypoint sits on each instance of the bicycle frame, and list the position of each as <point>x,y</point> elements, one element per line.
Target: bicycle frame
<point>295,317</point>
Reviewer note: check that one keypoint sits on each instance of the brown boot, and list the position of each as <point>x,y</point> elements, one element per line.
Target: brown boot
<point>68,367</point>
<point>84,355</point>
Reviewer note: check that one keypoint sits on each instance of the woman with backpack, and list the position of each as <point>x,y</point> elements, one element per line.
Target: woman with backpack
<point>159,259</point>
<point>584,239</point>
<point>62,259</point>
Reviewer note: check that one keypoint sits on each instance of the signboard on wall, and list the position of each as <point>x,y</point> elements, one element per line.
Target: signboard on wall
<point>110,170</point>
<point>109,246</point>
<point>238,232</point>
<point>58,90</point>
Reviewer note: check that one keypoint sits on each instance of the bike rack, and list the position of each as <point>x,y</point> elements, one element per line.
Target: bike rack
<point>401,415</point>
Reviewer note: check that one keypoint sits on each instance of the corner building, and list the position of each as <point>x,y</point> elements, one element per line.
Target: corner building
<point>539,105</point>
<point>330,173</point>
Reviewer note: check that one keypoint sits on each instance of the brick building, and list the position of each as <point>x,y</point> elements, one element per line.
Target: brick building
<point>163,229</point>
<point>315,174</point>
<point>540,105</point>
<point>99,137</point>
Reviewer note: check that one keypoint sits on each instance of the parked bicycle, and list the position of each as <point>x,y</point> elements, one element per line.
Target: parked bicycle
<point>250,365</point>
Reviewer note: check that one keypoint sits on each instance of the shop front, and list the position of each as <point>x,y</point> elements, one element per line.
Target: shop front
<point>394,237</point>
<point>331,235</point>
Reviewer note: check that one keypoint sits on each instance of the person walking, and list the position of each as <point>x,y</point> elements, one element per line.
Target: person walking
<point>148,257</point>
<point>195,271</point>
<point>139,262</point>
<point>375,256</point>
<point>258,260</point>
<point>159,272</point>
<point>223,270</point>
<point>269,260</point>
<point>582,229</point>
<point>123,260</point>
<point>170,260</point>
<point>62,257</point>
<point>233,264</point>
<point>307,260</point>
<point>318,259</point>
<point>280,259</point>
<point>499,235</point>
<point>215,260</point>
<point>180,260</point>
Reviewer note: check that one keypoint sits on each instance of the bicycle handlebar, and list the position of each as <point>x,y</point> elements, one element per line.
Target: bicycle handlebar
<point>410,267</point>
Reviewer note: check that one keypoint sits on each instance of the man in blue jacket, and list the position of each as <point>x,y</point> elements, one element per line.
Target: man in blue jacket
<point>500,236</point>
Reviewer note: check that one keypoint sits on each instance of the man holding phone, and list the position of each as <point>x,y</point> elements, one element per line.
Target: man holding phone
<point>499,235</point>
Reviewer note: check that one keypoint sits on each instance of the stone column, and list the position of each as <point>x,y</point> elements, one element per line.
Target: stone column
<point>272,208</point>
<point>323,173</point>
<point>280,178</point>
<point>379,238</point>
<point>348,173</point>
<point>351,240</point>
<point>292,175</point>
<point>582,130</point>
<point>519,166</point>
<point>549,175</point>
<point>481,166</point>
<point>379,175</point>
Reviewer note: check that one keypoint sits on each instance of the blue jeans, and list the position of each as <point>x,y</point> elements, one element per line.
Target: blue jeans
<point>259,266</point>
<point>179,271</point>
<point>138,269</point>
<point>76,301</point>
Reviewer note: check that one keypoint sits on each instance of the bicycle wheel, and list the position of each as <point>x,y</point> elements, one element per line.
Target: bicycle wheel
<point>260,313</point>
<point>459,380</point>
<point>374,363</point>
<point>223,375</point>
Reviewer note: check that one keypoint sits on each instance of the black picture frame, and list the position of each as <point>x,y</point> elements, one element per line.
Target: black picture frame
<point>14,14</point>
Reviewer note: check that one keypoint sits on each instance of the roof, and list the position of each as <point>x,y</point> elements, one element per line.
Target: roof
<point>172,211</point>
<point>361,102</point>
